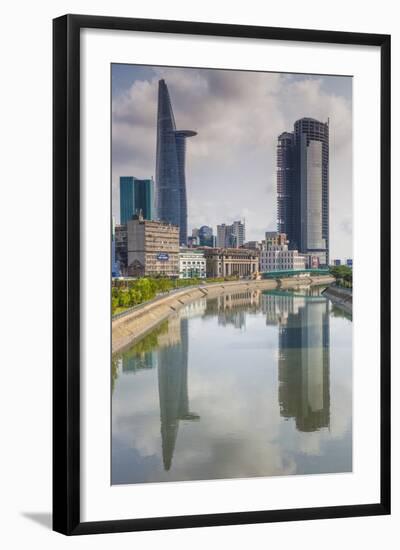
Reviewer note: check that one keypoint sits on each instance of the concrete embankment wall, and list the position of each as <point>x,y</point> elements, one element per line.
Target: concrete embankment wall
<point>290,282</point>
<point>133,326</point>
<point>340,297</point>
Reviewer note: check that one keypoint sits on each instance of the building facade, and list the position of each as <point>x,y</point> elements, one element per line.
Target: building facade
<point>274,238</point>
<point>303,187</point>
<point>254,245</point>
<point>153,248</point>
<point>192,264</point>
<point>275,254</point>
<point>226,262</point>
<point>136,196</point>
<point>280,258</point>
<point>171,201</point>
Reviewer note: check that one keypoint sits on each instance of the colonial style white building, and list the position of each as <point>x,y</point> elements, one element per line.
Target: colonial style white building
<point>192,263</point>
<point>279,258</point>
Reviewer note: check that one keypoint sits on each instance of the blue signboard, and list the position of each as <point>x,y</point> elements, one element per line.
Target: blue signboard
<point>163,256</point>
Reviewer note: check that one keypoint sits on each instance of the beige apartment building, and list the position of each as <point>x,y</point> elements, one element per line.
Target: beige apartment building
<point>153,248</point>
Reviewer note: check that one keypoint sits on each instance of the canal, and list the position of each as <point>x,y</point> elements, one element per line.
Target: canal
<point>247,384</point>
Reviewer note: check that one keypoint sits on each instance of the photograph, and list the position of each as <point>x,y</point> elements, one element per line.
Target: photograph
<point>231,274</point>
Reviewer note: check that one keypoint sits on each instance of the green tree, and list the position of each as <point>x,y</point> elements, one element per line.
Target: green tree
<point>343,275</point>
<point>114,304</point>
<point>146,289</point>
<point>135,297</point>
<point>124,298</point>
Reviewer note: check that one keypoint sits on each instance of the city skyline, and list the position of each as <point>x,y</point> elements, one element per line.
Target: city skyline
<point>231,165</point>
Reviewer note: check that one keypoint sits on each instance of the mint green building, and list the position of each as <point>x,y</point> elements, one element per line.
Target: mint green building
<point>135,196</point>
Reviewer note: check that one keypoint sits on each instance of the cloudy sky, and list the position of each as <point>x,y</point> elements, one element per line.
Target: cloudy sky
<point>231,163</point>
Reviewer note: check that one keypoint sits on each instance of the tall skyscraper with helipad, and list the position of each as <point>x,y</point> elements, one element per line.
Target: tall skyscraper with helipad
<point>171,200</point>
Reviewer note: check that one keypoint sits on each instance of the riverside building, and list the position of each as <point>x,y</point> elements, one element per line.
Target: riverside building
<point>226,262</point>
<point>278,257</point>
<point>153,248</point>
<point>192,264</point>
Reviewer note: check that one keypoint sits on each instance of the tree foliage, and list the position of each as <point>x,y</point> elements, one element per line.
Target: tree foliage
<point>343,275</point>
<point>130,293</point>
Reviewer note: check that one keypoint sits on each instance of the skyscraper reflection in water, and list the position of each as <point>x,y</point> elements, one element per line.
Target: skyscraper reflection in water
<point>173,385</point>
<point>303,361</point>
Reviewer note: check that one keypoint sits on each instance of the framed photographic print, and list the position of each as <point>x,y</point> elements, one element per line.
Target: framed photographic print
<point>218,191</point>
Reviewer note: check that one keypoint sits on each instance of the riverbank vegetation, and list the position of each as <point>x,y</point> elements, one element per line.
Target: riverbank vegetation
<point>343,275</point>
<point>128,293</point>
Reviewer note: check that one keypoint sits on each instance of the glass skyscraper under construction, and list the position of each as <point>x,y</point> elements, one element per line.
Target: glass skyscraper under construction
<point>171,201</point>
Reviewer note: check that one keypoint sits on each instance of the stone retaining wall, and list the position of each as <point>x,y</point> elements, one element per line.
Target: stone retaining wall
<point>340,298</point>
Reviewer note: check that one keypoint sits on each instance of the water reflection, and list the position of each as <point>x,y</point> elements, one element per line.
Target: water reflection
<point>303,362</point>
<point>173,384</point>
<point>231,308</point>
<point>275,380</point>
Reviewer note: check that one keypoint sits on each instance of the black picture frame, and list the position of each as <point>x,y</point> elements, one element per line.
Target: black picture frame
<point>66,273</point>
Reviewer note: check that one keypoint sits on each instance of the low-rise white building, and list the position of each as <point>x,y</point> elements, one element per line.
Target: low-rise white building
<point>192,264</point>
<point>280,258</point>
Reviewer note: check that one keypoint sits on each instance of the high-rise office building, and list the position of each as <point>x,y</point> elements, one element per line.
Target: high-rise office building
<point>206,237</point>
<point>303,187</point>
<point>231,236</point>
<point>136,196</point>
<point>171,202</point>
<point>239,233</point>
<point>223,236</point>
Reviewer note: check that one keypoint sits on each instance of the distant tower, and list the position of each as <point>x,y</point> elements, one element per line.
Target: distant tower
<point>206,236</point>
<point>231,236</point>
<point>239,233</point>
<point>171,202</point>
<point>303,187</point>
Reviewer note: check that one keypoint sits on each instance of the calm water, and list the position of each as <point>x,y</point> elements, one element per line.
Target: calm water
<point>246,384</point>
